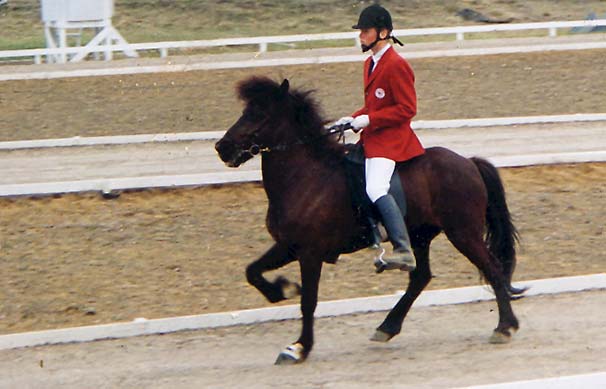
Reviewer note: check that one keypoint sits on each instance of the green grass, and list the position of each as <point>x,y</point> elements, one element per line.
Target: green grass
<point>33,42</point>
<point>167,20</point>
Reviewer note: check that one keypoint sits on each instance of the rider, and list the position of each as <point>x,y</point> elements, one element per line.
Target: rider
<point>390,102</point>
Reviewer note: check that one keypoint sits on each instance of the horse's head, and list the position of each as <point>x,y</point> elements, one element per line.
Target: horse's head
<point>259,128</point>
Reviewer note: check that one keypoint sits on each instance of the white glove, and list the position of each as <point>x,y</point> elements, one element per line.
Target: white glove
<point>344,120</point>
<point>360,122</point>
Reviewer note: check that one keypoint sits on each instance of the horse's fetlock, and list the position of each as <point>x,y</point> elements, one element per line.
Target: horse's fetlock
<point>251,274</point>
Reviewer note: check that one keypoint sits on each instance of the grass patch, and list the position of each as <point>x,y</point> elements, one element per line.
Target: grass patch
<point>172,20</point>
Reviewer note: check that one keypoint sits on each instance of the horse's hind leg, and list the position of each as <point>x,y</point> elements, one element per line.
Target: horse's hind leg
<point>474,248</point>
<point>276,257</point>
<point>419,278</point>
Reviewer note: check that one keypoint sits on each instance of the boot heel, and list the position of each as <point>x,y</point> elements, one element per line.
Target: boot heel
<point>402,257</point>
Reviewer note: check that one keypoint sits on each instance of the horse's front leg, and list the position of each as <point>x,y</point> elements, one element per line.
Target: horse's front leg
<point>311,269</point>
<point>276,257</point>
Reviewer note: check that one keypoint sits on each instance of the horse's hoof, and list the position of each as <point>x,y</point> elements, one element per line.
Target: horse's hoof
<point>291,355</point>
<point>499,338</point>
<point>380,336</point>
<point>289,289</point>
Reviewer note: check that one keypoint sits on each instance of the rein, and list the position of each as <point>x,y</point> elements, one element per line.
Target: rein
<point>339,129</point>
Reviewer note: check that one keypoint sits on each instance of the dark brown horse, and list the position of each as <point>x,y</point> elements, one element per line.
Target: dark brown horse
<point>311,218</point>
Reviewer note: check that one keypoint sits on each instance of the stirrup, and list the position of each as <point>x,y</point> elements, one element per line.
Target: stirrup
<point>407,264</point>
<point>378,259</point>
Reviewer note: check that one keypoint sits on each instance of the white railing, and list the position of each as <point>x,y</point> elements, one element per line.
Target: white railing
<point>264,41</point>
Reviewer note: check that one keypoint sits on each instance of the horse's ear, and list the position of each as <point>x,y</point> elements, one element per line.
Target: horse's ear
<point>284,87</point>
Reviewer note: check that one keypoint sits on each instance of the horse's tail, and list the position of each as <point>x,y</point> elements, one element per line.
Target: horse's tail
<point>501,235</point>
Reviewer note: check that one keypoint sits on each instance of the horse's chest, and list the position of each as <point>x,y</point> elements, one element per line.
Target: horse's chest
<point>294,216</point>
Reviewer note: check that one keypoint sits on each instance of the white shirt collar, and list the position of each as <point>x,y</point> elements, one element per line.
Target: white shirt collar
<point>377,57</point>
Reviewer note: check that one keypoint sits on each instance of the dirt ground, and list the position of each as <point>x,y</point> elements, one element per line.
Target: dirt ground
<point>448,88</point>
<point>80,260</point>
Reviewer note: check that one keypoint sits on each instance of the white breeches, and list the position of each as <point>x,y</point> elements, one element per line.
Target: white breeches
<point>378,175</point>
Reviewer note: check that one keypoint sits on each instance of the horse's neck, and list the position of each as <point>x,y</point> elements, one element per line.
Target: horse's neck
<point>282,170</point>
<point>291,171</point>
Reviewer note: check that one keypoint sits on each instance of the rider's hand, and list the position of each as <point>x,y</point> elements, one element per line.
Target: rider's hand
<point>344,120</point>
<point>360,122</point>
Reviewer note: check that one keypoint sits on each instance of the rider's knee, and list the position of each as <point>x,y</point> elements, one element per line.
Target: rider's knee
<point>375,192</point>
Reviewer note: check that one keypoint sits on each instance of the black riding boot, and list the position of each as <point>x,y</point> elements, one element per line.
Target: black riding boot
<point>402,257</point>
<point>374,247</point>
<point>375,234</point>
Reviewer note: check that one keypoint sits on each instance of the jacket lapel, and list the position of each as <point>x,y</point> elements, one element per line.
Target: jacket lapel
<point>378,68</point>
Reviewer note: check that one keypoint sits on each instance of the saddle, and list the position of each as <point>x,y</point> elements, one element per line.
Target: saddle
<point>366,211</point>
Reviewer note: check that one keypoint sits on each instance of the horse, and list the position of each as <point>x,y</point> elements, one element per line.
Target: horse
<point>312,220</point>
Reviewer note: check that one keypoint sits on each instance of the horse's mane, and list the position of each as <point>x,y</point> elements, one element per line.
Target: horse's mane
<point>304,112</point>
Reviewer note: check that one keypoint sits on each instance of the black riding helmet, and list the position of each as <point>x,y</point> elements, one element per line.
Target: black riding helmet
<point>375,16</point>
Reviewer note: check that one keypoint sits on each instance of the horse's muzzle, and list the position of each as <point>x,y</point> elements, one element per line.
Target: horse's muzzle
<point>232,155</point>
<point>225,149</point>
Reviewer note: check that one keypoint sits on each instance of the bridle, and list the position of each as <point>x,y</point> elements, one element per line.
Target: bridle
<point>256,149</point>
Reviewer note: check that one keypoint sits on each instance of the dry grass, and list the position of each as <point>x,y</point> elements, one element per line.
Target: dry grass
<point>159,20</point>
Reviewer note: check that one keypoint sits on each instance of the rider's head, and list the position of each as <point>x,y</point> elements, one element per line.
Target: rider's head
<point>375,26</point>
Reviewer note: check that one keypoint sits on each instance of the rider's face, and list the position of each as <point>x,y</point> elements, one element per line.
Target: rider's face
<point>367,36</point>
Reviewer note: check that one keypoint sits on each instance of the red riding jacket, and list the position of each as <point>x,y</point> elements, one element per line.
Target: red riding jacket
<point>390,101</point>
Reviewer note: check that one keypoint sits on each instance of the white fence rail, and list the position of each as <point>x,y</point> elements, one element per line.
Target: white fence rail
<point>216,135</point>
<point>582,146</point>
<point>142,326</point>
<point>264,41</point>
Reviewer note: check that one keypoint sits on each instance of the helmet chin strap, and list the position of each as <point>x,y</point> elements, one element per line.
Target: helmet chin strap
<point>365,48</point>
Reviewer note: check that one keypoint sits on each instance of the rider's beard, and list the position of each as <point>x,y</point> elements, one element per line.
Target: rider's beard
<point>365,48</point>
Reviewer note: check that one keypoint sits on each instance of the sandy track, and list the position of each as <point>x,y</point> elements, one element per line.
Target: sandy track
<point>440,347</point>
